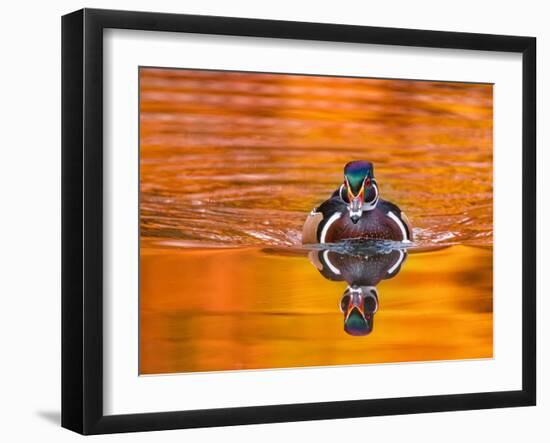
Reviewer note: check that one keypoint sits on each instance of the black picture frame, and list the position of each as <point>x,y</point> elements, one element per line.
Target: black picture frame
<point>82,220</point>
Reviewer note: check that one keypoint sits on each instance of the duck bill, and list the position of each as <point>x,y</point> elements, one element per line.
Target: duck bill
<point>356,208</point>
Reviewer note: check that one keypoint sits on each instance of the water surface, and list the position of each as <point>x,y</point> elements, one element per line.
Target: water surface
<point>230,165</point>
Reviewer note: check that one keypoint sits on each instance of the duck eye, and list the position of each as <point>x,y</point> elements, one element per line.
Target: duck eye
<point>367,182</point>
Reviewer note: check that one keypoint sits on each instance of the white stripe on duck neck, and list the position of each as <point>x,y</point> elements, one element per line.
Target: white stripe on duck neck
<point>398,262</point>
<point>400,225</point>
<point>329,222</point>
<point>333,268</point>
<point>342,187</point>
<point>369,206</point>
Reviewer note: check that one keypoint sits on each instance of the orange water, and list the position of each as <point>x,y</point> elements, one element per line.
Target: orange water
<point>231,163</point>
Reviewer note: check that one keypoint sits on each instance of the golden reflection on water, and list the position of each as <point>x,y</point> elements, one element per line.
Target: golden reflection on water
<point>230,165</point>
<point>223,309</point>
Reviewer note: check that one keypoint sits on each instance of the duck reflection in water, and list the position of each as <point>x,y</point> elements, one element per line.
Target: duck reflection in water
<point>362,273</point>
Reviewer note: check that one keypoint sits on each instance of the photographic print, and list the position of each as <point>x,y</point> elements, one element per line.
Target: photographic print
<point>292,220</point>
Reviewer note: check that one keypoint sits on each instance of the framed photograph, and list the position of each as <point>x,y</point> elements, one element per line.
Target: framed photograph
<point>269,221</point>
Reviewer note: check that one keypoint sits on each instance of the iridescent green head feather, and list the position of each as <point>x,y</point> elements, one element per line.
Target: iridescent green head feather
<point>356,172</point>
<point>357,324</point>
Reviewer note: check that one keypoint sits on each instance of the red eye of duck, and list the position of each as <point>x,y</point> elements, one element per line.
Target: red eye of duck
<point>367,182</point>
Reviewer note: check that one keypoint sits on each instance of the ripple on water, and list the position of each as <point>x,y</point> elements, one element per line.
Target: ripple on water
<point>236,159</point>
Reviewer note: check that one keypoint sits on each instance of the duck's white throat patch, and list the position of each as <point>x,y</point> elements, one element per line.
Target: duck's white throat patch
<point>367,206</point>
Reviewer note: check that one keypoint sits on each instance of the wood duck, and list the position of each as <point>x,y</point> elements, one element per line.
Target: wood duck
<point>362,273</point>
<point>356,211</point>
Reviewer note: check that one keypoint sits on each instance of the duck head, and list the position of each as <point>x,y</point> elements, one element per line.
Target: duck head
<point>359,304</point>
<point>360,190</point>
